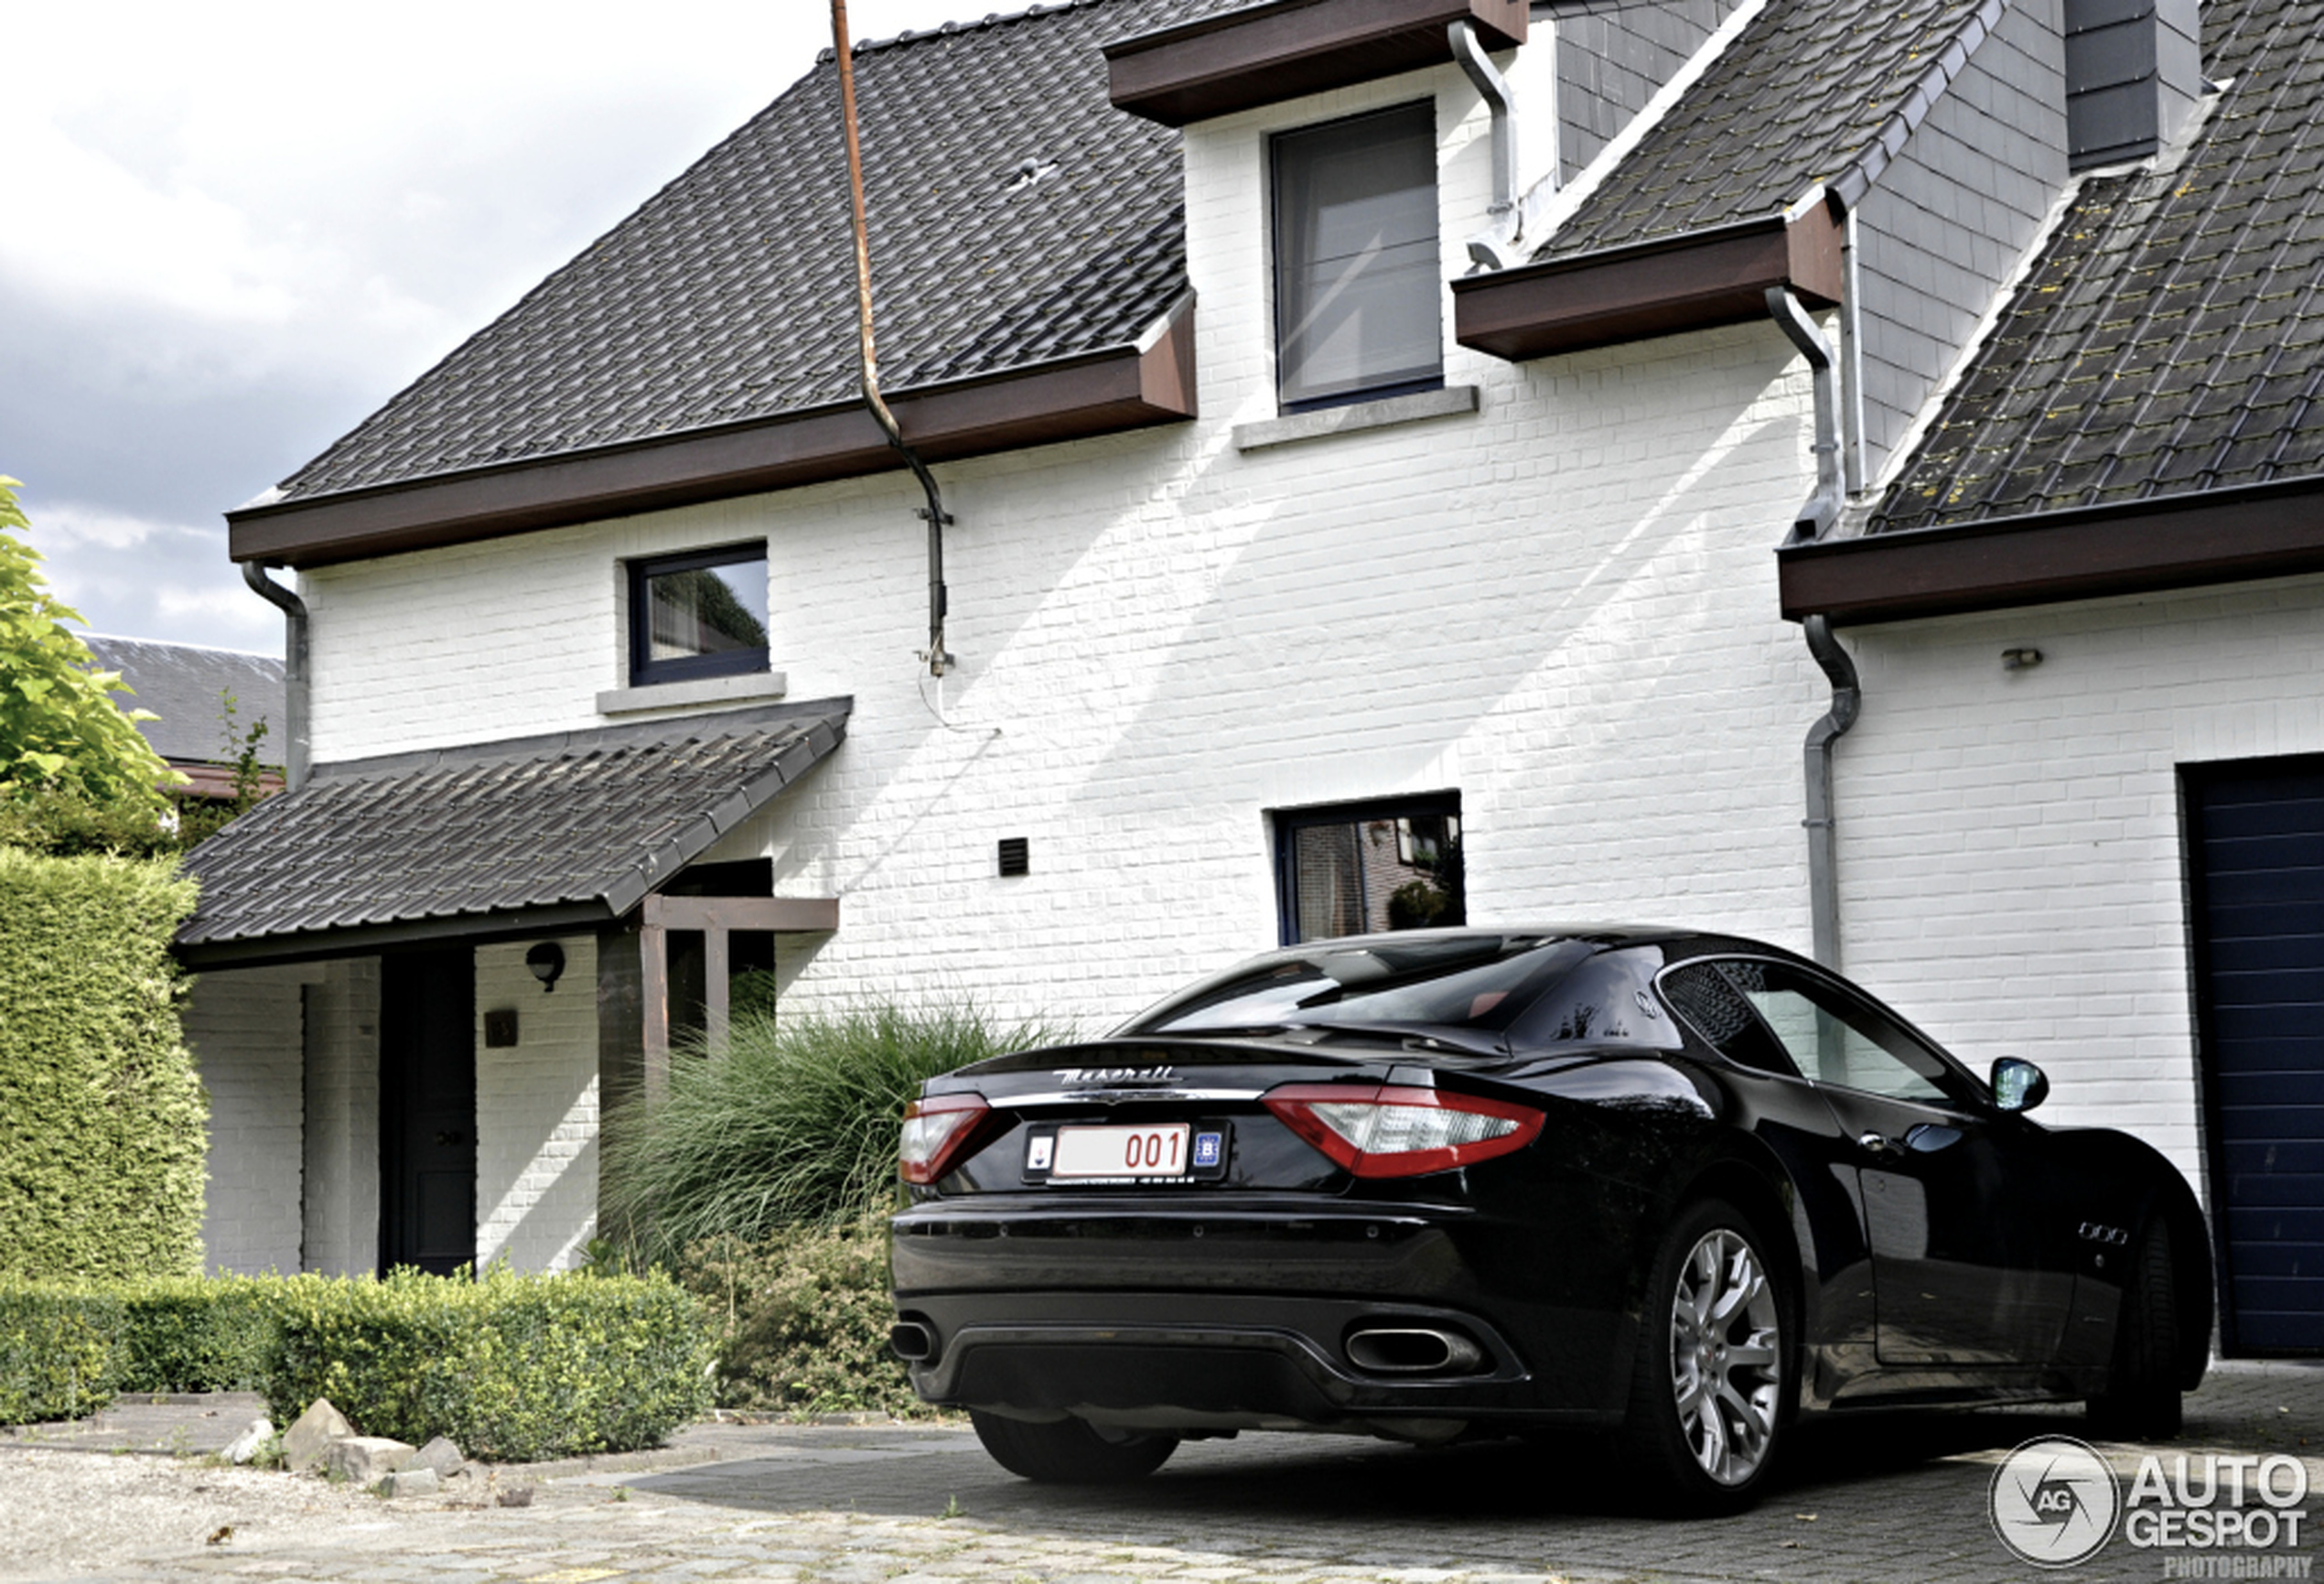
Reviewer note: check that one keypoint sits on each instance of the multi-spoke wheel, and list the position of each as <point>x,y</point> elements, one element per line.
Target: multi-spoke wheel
<point>1708,1398</point>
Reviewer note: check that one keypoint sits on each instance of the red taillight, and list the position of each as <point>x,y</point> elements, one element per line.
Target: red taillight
<point>1373,1130</point>
<point>935,1129</point>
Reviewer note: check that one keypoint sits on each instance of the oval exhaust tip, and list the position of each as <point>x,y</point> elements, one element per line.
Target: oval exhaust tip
<point>911,1342</point>
<point>1412,1351</point>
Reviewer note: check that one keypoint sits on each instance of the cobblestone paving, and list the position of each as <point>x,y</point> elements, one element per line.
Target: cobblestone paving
<point>1893,1500</point>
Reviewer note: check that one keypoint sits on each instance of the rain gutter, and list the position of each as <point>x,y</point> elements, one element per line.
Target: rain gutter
<point>295,669</point>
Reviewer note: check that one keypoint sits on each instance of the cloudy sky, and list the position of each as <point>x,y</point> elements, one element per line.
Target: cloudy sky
<point>228,232</point>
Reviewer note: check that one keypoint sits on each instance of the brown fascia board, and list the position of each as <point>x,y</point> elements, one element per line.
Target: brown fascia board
<point>1266,54</point>
<point>2088,553</point>
<point>1099,395</point>
<point>367,939</point>
<point>1690,282</point>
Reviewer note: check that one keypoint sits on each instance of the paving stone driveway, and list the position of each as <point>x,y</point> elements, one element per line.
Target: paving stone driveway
<point>1898,1500</point>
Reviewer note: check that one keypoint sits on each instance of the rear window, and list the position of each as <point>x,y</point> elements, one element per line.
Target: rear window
<point>1482,983</point>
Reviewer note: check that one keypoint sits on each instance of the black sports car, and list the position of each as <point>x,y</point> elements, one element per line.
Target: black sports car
<point>1462,1182</point>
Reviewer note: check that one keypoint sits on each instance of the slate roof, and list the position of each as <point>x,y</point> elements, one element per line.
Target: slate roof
<point>2171,338</point>
<point>1812,91</point>
<point>183,685</point>
<point>587,821</point>
<point>1016,218</point>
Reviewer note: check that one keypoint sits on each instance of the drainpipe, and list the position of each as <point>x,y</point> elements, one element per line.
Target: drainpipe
<point>1509,217</point>
<point>294,611</point>
<point>939,662</point>
<point>1812,521</point>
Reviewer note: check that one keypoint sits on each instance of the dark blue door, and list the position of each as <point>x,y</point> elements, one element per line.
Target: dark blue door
<point>2258,834</point>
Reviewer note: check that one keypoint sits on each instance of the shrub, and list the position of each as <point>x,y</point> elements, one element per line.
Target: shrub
<point>196,1333</point>
<point>56,1352</point>
<point>510,1367</point>
<point>804,1319</point>
<point>100,1112</point>
<point>793,1121</point>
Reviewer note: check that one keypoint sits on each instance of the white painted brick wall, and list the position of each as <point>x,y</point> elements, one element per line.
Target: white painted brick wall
<point>343,1116</point>
<point>244,1028</point>
<point>536,1110</point>
<point>2010,859</point>
<point>1563,607</point>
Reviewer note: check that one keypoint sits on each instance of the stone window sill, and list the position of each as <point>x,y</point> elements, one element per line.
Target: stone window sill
<point>1447,403</point>
<point>745,689</point>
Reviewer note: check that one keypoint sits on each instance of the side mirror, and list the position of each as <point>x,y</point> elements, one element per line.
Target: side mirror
<point>2019,1084</point>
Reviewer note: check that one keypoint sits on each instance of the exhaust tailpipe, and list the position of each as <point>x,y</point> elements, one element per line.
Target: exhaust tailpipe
<point>912,1341</point>
<point>1412,1351</point>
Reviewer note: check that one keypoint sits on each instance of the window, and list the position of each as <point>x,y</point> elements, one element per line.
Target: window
<point>702,614</point>
<point>1823,1035</point>
<point>1355,869</point>
<point>1358,301</point>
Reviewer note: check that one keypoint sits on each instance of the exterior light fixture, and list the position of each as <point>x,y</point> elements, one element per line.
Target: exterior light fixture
<point>2021,659</point>
<point>546,961</point>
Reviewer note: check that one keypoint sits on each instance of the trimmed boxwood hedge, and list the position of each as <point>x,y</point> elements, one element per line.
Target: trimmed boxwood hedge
<point>101,1114</point>
<point>514,1368</point>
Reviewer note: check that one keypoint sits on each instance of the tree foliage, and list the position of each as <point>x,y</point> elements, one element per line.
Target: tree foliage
<point>61,732</point>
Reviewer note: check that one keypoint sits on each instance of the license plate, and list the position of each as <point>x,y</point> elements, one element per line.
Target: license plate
<point>1154,1150</point>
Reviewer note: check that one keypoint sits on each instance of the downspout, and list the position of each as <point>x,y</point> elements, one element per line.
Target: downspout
<point>294,611</point>
<point>1814,520</point>
<point>1509,218</point>
<point>939,662</point>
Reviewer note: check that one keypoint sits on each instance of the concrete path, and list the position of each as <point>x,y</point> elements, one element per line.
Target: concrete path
<point>1901,1499</point>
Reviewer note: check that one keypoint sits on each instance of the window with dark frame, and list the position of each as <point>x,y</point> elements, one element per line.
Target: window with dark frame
<point>698,615</point>
<point>1359,868</point>
<point>1357,294</point>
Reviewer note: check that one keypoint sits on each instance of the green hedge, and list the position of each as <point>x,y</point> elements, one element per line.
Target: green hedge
<point>57,1350</point>
<point>197,1334</point>
<point>100,1112</point>
<point>512,1368</point>
<point>804,1317</point>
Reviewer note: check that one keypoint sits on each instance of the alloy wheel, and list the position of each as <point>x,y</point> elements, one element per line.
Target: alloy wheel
<point>1726,1356</point>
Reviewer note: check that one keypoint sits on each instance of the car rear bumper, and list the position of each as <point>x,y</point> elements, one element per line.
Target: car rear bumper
<point>1178,1320</point>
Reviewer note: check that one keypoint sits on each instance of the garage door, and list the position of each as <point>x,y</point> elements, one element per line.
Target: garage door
<point>2258,831</point>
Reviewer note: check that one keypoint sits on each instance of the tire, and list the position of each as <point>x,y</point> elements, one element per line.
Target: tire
<point>1709,1405</point>
<point>1070,1451</point>
<point>2142,1400</point>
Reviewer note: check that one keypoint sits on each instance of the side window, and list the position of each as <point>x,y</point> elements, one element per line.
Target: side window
<point>1835,1041</point>
<point>1708,999</point>
<point>1359,304</point>
<point>1354,868</point>
<point>701,614</point>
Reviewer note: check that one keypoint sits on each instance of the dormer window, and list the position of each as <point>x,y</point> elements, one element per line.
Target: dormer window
<point>699,615</point>
<point>1356,296</point>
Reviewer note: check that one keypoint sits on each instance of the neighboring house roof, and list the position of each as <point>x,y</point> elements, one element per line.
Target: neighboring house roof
<point>1018,221</point>
<point>554,832</point>
<point>185,685</point>
<point>2144,412</point>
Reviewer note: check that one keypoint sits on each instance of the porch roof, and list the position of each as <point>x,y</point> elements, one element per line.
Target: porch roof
<point>559,831</point>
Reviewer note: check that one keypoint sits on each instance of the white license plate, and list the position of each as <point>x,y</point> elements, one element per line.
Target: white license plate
<point>1158,1151</point>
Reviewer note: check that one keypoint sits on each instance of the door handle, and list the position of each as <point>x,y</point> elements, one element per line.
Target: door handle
<point>1880,1147</point>
<point>454,1136</point>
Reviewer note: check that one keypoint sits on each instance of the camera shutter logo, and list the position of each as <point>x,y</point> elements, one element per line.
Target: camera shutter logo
<point>2054,1501</point>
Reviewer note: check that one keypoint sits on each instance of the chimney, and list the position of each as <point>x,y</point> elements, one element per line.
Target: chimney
<point>2134,70</point>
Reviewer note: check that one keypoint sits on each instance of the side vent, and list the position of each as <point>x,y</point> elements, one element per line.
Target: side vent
<point>2134,70</point>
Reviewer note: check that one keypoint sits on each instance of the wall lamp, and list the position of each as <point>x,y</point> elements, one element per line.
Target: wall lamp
<point>546,961</point>
<point>2021,659</point>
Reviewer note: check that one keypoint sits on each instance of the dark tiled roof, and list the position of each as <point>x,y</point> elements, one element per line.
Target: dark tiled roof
<point>2171,338</point>
<point>592,819</point>
<point>730,296</point>
<point>1812,91</point>
<point>183,685</point>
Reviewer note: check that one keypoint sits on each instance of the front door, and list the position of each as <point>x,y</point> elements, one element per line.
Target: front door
<point>427,1110</point>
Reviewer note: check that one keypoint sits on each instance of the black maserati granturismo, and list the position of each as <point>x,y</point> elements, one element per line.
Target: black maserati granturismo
<point>1675,1186</point>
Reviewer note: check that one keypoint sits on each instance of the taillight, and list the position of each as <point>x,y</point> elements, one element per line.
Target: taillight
<point>934,1131</point>
<point>1373,1130</point>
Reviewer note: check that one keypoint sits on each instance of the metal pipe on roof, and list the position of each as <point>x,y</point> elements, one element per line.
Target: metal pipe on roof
<point>939,662</point>
<point>1822,509</point>
<point>1494,88</point>
<point>294,668</point>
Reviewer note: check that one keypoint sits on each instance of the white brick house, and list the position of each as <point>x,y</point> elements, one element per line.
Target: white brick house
<point>1534,590</point>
